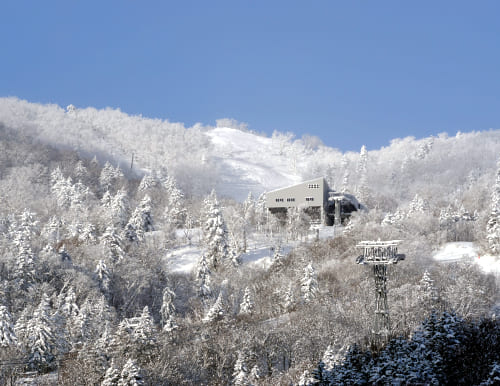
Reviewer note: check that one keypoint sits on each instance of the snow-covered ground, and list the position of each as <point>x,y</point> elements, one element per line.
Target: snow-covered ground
<point>468,251</point>
<point>260,250</point>
<point>249,162</point>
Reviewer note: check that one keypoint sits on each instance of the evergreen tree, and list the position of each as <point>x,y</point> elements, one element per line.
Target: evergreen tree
<point>362,190</point>
<point>345,179</point>
<point>216,312</point>
<point>247,305</point>
<point>493,225</point>
<point>288,299</point>
<point>215,235</point>
<point>203,277</point>
<point>167,310</point>
<point>309,283</point>
<point>40,338</point>
<point>112,244</point>
<point>112,376</point>
<point>103,276</point>
<point>240,373</point>
<point>140,222</point>
<point>7,333</point>
<point>131,375</point>
<point>493,376</point>
<point>175,211</point>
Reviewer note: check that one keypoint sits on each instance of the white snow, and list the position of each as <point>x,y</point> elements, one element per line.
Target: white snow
<point>468,251</point>
<point>259,253</point>
<point>249,162</point>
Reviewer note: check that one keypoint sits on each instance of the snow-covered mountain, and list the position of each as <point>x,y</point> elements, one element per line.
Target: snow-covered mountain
<point>235,161</point>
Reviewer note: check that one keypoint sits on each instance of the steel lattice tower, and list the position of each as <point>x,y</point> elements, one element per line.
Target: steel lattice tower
<point>380,254</point>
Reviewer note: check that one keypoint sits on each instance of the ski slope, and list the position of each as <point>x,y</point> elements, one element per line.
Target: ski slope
<point>468,251</point>
<point>249,162</point>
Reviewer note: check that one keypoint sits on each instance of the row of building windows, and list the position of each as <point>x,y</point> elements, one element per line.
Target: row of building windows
<point>313,186</point>
<point>293,199</point>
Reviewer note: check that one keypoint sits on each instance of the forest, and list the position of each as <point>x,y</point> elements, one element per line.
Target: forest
<point>96,204</point>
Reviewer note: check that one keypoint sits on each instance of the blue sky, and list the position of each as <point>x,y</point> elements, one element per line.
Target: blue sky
<point>350,72</point>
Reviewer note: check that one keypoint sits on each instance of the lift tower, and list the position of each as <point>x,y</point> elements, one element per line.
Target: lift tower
<point>380,254</point>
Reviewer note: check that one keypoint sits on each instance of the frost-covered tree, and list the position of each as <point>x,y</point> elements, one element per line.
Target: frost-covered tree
<point>119,208</point>
<point>215,235</point>
<point>216,312</point>
<point>167,310</point>
<point>493,225</point>
<point>203,277</point>
<point>240,372</point>
<point>8,336</point>
<point>428,290</point>
<point>103,275</point>
<point>175,211</point>
<point>131,375</point>
<point>39,338</point>
<point>249,210</point>
<point>140,222</point>
<point>24,272</point>
<point>309,283</point>
<point>109,176</point>
<point>112,376</point>
<point>362,189</point>
<point>247,304</point>
<point>418,205</point>
<point>345,178</point>
<point>288,301</point>
<point>112,243</point>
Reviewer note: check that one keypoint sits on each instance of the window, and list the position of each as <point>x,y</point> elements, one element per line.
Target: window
<point>313,186</point>
<point>279,200</point>
<point>290,199</point>
<point>309,198</point>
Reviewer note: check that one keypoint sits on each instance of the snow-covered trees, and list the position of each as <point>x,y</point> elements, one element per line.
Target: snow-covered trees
<point>140,222</point>
<point>241,373</point>
<point>247,304</point>
<point>215,235</point>
<point>167,310</point>
<point>309,284</point>
<point>203,277</point>
<point>493,226</point>
<point>112,244</point>
<point>7,334</point>
<point>217,311</point>
<point>38,336</point>
<point>362,188</point>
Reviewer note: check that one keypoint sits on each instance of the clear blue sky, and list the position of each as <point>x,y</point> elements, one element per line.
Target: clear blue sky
<point>350,72</point>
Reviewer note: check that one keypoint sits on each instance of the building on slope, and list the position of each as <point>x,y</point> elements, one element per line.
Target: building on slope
<point>315,197</point>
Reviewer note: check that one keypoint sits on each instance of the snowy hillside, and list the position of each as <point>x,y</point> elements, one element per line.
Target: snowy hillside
<point>235,161</point>
<point>248,162</point>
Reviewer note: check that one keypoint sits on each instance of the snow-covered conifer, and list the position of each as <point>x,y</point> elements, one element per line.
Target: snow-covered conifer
<point>7,332</point>
<point>247,305</point>
<point>241,373</point>
<point>216,312</point>
<point>175,211</point>
<point>288,298</point>
<point>493,225</point>
<point>203,277</point>
<point>40,338</point>
<point>167,310</point>
<point>103,276</point>
<point>345,179</point>
<point>215,235</point>
<point>112,376</point>
<point>362,189</point>
<point>309,283</point>
<point>140,222</point>
<point>112,244</point>
<point>131,375</point>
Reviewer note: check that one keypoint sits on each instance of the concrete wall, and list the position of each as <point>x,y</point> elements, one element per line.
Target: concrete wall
<point>311,193</point>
